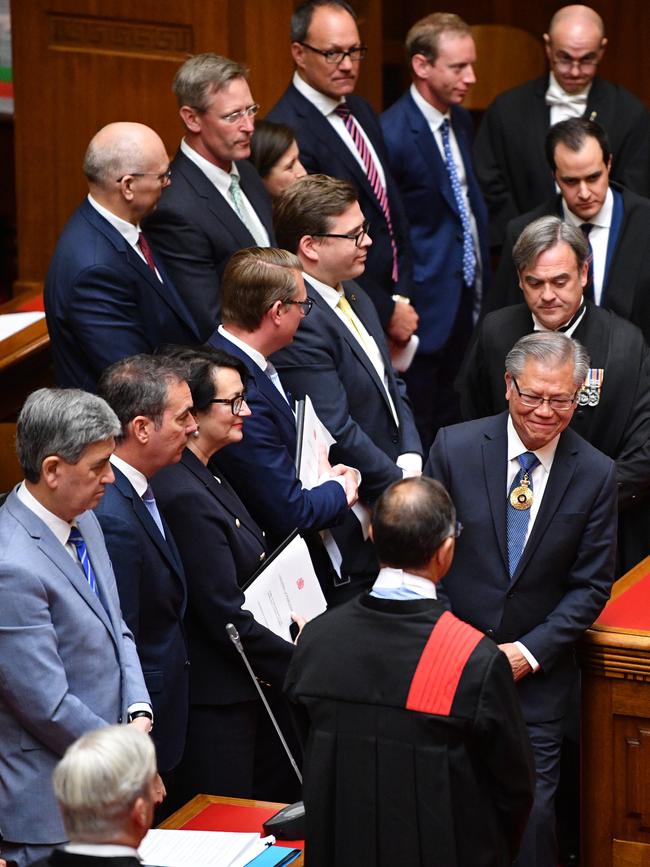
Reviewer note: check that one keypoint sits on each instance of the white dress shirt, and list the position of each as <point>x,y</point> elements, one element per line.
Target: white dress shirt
<point>398,584</point>
<point>222,181</point>
<point>564,105</point>
<point>127,230</point>
<point>539,478</point>
<point>598,238</point>
<point>326,105</point>
<point>137,479</point>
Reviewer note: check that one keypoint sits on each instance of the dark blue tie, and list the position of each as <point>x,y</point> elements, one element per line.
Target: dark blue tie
<point>82,553</point>
<point>517,519</point>
<point>589,286</point>
<point>469,255</point>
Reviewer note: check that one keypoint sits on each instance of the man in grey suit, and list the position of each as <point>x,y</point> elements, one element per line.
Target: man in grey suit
<point>68,663</point>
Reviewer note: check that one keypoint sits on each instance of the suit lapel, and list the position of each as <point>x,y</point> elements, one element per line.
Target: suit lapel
<point>430,152</point>
<point>495,458</point>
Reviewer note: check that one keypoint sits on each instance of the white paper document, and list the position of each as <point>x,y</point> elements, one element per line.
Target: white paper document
<point>315,440</point>
<point>201,848</point>
<point>287,583</point>
<point>12,323</point>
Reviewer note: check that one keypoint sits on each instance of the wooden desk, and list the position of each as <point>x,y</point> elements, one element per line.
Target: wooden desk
<point>198,804</point>
<point>24,359</point>
<point>615,785</point>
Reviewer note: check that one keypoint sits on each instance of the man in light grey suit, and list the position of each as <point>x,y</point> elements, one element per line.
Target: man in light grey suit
<point>68,663</point>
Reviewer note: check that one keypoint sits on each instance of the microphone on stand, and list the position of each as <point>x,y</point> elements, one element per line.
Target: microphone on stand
<point>289,822</point>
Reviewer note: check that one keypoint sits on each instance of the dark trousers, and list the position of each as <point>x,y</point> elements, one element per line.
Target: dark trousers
<point>539,843</point>
<point>233,750</point>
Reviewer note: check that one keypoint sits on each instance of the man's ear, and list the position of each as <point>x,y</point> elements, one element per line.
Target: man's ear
<point>140,429</point>
<point>308,249</point>
<point>191,118</point>
<point>298,54</point>
<point>50,471</point>
<point>508,379</point>
<point>420,65</point>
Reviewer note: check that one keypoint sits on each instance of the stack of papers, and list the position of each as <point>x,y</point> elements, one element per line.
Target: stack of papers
<point>201,848</point>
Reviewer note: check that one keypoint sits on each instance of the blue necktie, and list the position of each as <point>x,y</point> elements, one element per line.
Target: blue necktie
<point>469,255</point>
<point>517,519</point>
<point>589,286</point>
<point>150,502</point>
<point>82,553</point>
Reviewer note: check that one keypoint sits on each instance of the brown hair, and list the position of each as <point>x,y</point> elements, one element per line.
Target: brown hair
<point>307,207</point>
<point>254,279</point>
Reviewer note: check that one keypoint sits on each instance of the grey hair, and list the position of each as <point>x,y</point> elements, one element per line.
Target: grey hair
<point>62,422</point>
<point>202,76</point>
<point>99,779</point>
<point>544,234</point>
<point>139,385</point>
<point>104,164</point>
<point>551,348</point>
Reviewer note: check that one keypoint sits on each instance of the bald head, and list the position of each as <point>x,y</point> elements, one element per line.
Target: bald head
<point>118,149</point>
<point>574,46</point>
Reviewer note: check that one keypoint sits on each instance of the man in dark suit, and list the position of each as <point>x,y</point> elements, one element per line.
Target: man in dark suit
<point>338,134</point>
<point>106,294</point>
<point>264,301</point>
<point>510,142</point>
<point>613,412</point>
<point>616,221</point>
<point>428,135</point>
<point>339,355</point>
<point>418,719</point>
<point>104,785</point>
<point>535,563</point>
<point>217,203</point>
<point>153,404</point>
<point>68,663</point>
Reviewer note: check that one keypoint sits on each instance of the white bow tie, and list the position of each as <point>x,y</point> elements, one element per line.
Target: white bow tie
<point>556,96</point>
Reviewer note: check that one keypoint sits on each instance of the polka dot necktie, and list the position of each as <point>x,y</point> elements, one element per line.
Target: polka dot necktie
<point>469,254</point>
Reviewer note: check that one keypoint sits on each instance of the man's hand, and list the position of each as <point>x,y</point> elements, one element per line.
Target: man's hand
<point>143,723</point>
<point>301,622</point>
<point>518,662</point>
<point>159,790</point>
<point>403,323</point>
<point>348,476</point>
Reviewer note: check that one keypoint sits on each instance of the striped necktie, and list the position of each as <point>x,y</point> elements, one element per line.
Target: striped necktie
<point>77,540</point>
<point>343,111</point>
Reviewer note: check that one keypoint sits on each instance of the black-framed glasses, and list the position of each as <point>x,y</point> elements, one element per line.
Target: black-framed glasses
<point>235,116</point>
<point>559,404</point>
<point>357,238</point>
<point>335,55</point>
<point>305,305</point>
<point>235,402</point>
<point>585,64</point>
<point>163,177</point>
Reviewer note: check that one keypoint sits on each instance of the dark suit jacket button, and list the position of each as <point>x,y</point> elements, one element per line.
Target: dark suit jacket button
<point>187,663</point>
<point>510,594</point>
<point>489,633</point>
<point>119,720</point>
<point>394,439</point>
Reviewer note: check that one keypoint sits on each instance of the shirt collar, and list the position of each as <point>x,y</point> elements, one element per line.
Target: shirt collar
<point>101,850</point>
<point>213,173</point>
<point>390,578</point>
<point>137,479</point>
<point>329,294</point>
<point>516,447</point>
<point>430,112</point>
<point>59,527</point>
<point>127,230</point>
<point>325,104</point>
<point>579,315</point>
<point>252,353</point>
<point>603,218</point>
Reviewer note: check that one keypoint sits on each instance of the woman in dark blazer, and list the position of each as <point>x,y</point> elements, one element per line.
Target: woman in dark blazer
<point>227,752</point>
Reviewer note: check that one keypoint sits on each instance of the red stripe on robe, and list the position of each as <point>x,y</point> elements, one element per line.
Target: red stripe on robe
<point>441,665</point>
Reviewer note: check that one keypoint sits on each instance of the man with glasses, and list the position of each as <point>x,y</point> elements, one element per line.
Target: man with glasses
<point>536,560</point>
<point>510,143</point>
<point>429,139</point>
<point>107,294</point>
<point>264,303</point>
<point>613,413</point>
<point>218,203</point>
<point>339,356</point>
<point>338,134</point>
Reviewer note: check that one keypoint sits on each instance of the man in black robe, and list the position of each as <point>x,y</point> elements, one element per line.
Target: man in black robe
<point>416,750</point>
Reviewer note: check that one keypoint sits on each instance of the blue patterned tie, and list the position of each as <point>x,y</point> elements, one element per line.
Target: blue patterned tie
<point>150,502</point>
<point>469,254</point>
<point>517,519</point>
<point>589,286</point>
<point>82,553</point>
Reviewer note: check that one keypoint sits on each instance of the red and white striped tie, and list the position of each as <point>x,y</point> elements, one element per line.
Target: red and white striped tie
<point>344,112</point>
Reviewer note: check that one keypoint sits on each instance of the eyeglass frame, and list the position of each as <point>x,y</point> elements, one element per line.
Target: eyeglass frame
<point>308,303</point>
<point>356,238</point>
<point>542,400</point>
<point>567,63</point>
<point>458,529</point>
<point>239,399</point>
<point>235,116</point>
<point>164,177</point>
<point>336,56</point>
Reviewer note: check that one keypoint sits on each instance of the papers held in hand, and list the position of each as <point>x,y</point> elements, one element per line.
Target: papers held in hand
<point>286,582</point>
<point>314,441</point>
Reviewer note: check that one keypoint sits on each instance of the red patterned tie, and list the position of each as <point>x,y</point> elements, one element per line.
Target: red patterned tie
<point>143,244</point>
<point>344,112</point>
